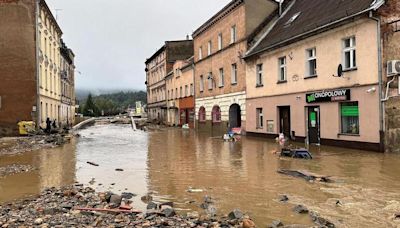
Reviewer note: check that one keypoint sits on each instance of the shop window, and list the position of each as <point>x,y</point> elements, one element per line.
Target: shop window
<point>216,114</point>
<point>349,113</point>
<point>311,62</point>
<point>202,114</point>
<point>349,53</point>
<point>260,118</point>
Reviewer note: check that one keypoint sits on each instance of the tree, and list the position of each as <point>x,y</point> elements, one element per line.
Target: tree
<point>90,108</point>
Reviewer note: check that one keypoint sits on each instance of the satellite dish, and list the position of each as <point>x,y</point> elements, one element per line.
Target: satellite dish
<point>340,70</point>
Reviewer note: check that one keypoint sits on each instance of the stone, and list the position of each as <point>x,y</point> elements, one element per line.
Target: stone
<point>276,224</point>
<point>152,206</point>
<point>320,221</point>
<point>193,215</point>
<point>248,223</point>
<point>171,204</point>
<point>300,209</point>
<point>115,199</point>
<point>283,198</point>
<point>128,195</point>
<point>38,221</point>
<point>168,212</point>
<point>235,214</point>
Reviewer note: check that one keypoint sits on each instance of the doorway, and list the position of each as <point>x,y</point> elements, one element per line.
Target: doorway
<point>284,120</point>
<point>313,115</point>
<point>235,120</point>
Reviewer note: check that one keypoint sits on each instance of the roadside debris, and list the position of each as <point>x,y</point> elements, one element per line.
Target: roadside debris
<point>119,170</point>
<point>194,190</point>
<point>92,163</point>
<point>311,177</point>
<point>283,198</point>
<point>15,169</point>
<point>300,209</point>
<point>296,153</point>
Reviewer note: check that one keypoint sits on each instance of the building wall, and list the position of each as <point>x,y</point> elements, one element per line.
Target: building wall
<point>391,51</point>
<point>330,123</point>
<point>18,61</point>
<point>329,55</point>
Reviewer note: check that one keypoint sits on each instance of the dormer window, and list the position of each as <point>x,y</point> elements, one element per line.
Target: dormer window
<point>292,19</point>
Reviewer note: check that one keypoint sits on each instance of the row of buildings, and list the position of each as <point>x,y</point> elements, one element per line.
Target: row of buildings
<point>324,72</point>
<point>37,80</point>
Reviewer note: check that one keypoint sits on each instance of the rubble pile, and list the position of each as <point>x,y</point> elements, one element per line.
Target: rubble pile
<point>13,146</point>
<point>78,206</point>
<point>14,169</point>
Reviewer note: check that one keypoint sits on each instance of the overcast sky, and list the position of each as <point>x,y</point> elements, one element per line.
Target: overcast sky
<point>112,38</point>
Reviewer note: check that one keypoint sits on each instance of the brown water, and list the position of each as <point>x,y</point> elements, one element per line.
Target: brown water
<point>237,175</point>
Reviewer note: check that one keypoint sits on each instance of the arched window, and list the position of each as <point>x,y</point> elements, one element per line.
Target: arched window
<point>216,114</point>
<point>202,114</point>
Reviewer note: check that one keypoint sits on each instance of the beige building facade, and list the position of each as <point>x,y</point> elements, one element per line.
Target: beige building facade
<point>220,76</point>
<point>324,86</point>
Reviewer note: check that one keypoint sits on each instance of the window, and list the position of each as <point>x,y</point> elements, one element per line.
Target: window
<point>260,118</point>
<point>186,90</point>
<point>210,81</point>
<point>221,77</point>
<point>216,114</point>
<point>202,114</point>
<point>234,74</point>
<point>191,90</point>
<point>259,79</point>
<point>349,53</point>
<point>181,92</point>
<point>209,48</point>
<point>311,62</point>
<point>200,52</point>
<point>282,69</point>
<point>201,83</point>
<point>220,41</point>
<point>168,95</point>
<point>233,34</point>
<point>349,113</point>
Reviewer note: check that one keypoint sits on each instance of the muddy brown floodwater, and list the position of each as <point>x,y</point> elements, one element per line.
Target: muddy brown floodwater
<point>236,175</point>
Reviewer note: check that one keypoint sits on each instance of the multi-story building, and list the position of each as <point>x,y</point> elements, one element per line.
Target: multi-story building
<point>320,81</point>
<point>30,88</point>
<point>180,93</point>
<point>157,68</point>
<point>220,76</point>
<point>67,86</point>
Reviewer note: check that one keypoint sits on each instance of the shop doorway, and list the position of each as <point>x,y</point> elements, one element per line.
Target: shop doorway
<point>235,120</point>
<point>284,120</point>
<point>313,116</point>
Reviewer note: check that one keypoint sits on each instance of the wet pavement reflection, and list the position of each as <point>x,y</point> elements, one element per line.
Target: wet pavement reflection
<point>243,174</point>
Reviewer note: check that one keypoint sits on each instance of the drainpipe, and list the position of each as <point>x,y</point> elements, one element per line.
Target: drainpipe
<point>381,102</point>
<point>194,94</point>
<point>38,108</point>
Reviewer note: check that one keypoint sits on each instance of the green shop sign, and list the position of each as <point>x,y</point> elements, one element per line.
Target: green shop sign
<point>328,96</point>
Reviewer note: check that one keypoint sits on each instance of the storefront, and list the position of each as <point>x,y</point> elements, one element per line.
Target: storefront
<point>186,111</point>
<point>347,117</point>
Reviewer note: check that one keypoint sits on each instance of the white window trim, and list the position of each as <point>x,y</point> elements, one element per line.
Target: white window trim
<point>234,74</point>
<point>219,41</point>
<point>200,53</point>
<point>233,34</point>
<point>209,47</point>
<point>352,50</point>
<point>282,66</point>
<point>259,74</point>
<point>221,77</point>
<point>309,59</point>
<point>260,118</point>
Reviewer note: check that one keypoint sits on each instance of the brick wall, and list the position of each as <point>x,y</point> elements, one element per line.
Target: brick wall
<point>18,63</point>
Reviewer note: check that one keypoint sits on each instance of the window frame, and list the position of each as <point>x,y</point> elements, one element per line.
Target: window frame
<point>309,59</point>
<point>210,81</point>
<point>342,132</point>
<point>221,78</point>
<point>352,49</point>
<point>209,48</point>
<point>233,34</point>
<point>234,76</point>
<point>282,65</point>
<point>259,75</point>
<point>201,83</point>
<point>200,53</point>
<point>220,45</point>
<point>259,118</point>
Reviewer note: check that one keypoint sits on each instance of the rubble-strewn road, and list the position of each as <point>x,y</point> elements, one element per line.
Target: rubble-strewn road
<point>65,208</point>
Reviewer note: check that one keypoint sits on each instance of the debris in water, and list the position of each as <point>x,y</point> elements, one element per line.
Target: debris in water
<point>194,190</point>
<point>300,209</point>
<point>283,198</point>
<point>306,175</point>
<point>119,170</point>
<point>92,163</point>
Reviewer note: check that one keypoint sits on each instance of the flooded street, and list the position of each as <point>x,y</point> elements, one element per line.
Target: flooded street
<point>167,162</point>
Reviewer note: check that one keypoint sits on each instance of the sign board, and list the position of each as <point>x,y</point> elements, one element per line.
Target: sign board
<point>329,96</point>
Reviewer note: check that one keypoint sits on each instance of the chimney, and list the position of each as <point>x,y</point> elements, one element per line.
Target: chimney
<point>187,37</point>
